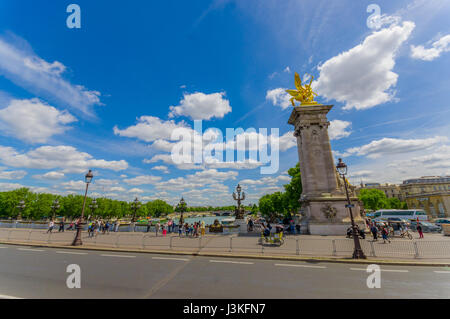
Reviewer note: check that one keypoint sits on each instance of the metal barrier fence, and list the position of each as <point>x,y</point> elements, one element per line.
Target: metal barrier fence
<point>122,228</point>
<point>294,246</point>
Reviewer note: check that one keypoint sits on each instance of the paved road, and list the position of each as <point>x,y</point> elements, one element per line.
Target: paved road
<point>30,272</point>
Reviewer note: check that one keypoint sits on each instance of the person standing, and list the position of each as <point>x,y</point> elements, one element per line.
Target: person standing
<point>149,224</point>
<point>203,229</point>
<point>420,230</point>
<point>61,225</point>
<point>158,226</point>
<point>374,231</point>
<point>180,229</point>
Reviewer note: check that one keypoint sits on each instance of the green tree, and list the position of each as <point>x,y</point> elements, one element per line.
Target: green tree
<point>293,190</point>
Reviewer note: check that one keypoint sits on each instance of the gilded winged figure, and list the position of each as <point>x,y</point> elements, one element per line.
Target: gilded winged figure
<point>303,94</point>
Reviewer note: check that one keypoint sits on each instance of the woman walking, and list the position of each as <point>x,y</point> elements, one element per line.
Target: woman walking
<point>50,226</point>
<point>420,231</point>
<point>385,234</point>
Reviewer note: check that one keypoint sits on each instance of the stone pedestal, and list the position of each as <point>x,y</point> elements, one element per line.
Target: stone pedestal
<point>323,198</point>
<point>242,223</point>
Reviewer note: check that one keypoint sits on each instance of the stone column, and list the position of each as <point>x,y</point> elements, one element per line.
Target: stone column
<point>323,195</point>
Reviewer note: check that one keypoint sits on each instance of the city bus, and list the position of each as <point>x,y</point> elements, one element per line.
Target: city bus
<point>408,214</point>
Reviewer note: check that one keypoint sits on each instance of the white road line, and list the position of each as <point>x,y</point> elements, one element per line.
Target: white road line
<point>70,252</point>
<point>3,247</point>
<point>30,249</point>
<point>122,256</point>
<point>9,297</point>
<point>442,272</point>
<point>231,262</point>
<point>303,266</point>
<point>387,270</point>
<point>166,258</point>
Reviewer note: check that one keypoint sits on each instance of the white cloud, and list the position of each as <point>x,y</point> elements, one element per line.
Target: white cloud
<point>287,141</point>
<point>362,77</point>
<point>287,69</point>
<point>33,121</point>
<point>161,168</point>
<point>12,174</point>
<point>279,97</point>
<point>389,146</point>
<point>67,158</point>
<point>338,129</point>
<point>26,69</point>
<point>136,191</point>
<point>201,106</point>
<point>143,179</point>
<point>150,128</point>
<point>50,176</point>
<point>438,47</point>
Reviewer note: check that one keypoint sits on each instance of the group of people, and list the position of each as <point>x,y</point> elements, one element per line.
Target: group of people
<point>386,230</point>
<point>189,230</point>
<point>101,226</point>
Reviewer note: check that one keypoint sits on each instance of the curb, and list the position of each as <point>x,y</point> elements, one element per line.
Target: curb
<point>312,259</point>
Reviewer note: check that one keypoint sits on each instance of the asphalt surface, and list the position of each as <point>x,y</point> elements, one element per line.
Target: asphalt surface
<point>35,272</point>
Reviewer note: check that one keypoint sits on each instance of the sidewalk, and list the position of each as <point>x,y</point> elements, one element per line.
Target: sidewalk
<point>435,249</point>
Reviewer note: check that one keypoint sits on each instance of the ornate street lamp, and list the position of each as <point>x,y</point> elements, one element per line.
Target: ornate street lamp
<point>239,198</point>
<point>135,206</point>
<point>93,206</point>
<point>77,241</point>
<point>54,207</point>
<point>181,207</point>
<point>21,207</point>
<point>357,253</point>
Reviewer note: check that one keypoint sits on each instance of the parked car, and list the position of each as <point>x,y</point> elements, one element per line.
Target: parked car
<point>427,227</point>
<point>441,221</point>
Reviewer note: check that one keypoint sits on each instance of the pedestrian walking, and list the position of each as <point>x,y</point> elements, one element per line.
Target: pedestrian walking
<point>50,226</point>
<point>385,234</point>
<point>169,226</point>
<point>420,231</point>
<point>149,224</point>
<point>164,230</point>
<point>180,229</point>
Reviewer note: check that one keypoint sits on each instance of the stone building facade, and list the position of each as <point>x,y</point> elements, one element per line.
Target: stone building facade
<point>430,193</point>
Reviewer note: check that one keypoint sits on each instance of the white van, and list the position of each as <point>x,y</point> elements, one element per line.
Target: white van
<point>408,214</point>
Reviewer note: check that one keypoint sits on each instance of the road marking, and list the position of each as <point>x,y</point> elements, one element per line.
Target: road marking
<point>3,247</point>
<point>30,249</point>
<point>442,272</point>
<point>122,256</point>
<point>9,297</point>
<point>304,266</point>
<point>231,262</point>
<point>166,258</point>
<point>70,252</point>
<point>387,270</point>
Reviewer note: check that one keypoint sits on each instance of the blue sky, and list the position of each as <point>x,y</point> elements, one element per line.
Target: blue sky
<point>108,95</point>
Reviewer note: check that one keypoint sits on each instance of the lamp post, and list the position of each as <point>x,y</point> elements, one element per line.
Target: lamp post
<point>54,207</point>
<point>239,198</point>
<point>135,206</point>
<point>21,207</point>
<point>77,241</point>
<point>182,208</point>
<point>357,253</point>
<point>93,206</point>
